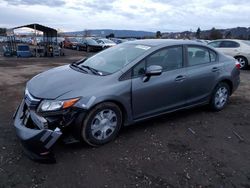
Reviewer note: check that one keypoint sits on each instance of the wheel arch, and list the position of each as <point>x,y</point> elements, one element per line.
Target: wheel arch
<point>125,113</point>
<point>228,82</point>
<point>242,57</point>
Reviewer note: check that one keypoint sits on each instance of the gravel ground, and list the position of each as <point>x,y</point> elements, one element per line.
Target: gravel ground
<point>192,148</point>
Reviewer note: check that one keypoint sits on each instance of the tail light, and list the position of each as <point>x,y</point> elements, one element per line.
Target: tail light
<point>237,64</point>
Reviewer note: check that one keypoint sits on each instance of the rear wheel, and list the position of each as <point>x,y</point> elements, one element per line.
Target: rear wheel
<point>220,96</point>
<point>102,124</point>
<point>243,62</point>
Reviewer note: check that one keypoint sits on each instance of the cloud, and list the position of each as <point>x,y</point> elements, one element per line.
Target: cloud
<point>153,15</point>
<point>36,2</point>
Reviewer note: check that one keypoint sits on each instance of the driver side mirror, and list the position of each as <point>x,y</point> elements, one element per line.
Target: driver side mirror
<point>153,70</point>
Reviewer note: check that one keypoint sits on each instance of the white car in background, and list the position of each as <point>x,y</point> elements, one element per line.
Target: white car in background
<point>106,43</point>
<point>239,49</point>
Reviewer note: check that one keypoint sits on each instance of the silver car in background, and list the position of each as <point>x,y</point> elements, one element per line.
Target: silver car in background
<point>239,49</point>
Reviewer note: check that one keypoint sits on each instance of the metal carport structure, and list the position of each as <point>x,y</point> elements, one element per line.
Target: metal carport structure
<point>48,35</point>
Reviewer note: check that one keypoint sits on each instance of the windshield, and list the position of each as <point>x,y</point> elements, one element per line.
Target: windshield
<point>115,58</point>
<point>91,41</point>
<point>72,39</point>
<point>246,42</point>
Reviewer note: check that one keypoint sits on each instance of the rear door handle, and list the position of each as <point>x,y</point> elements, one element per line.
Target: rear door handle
<point>215,69</point>
<point>180,78</point>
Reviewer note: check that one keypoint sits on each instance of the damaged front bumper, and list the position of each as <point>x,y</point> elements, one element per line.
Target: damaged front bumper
<point>36,138</point>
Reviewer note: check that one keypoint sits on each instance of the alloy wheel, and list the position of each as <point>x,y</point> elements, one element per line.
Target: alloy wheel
<point>103,124</point>
<point>221,97</point>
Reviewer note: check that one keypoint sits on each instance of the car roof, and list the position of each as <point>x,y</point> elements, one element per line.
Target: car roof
<point>235,40</point>
<point>162,42</point>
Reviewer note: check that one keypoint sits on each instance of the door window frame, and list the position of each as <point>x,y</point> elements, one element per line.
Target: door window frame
<point>201,47</point>
<point>130,71</point>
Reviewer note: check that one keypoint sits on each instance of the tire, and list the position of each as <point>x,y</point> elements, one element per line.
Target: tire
<point>97,129</point>
<point>243,62</point>
<point>220,97</point>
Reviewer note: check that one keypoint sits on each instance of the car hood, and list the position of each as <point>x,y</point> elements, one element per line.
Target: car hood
<point>58,81</point>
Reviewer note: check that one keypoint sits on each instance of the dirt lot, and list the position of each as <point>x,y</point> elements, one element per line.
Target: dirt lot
<point>161,152</point>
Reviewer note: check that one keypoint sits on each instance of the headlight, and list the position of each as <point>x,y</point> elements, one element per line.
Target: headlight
<point>48,105</point>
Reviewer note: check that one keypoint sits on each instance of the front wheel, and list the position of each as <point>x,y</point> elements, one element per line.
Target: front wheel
<point>220,96</point>
<point>102,124</point>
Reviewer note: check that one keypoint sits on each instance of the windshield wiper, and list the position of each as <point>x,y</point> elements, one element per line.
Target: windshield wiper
<point>76,65</point>
<point>92,69</point>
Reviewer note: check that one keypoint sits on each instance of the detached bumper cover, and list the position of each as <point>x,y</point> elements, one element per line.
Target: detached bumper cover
<point>38,141</point>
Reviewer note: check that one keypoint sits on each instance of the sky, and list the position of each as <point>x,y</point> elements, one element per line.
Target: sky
<point>147,15</point>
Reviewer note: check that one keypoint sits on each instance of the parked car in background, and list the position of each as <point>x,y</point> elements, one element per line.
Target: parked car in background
<point>70,43</point>
<point>23,50</point>
<point>89,44</point>
<point>239,49</point>
<point>2,39</point>
<point>118,40</point>
<point>202,41</point>
<point>134,81</point>
<point>106,43</point>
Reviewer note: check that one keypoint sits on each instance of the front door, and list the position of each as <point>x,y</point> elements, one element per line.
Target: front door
<point>163,92</point>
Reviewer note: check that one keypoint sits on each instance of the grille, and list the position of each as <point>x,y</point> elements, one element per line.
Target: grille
<point>31,101</point>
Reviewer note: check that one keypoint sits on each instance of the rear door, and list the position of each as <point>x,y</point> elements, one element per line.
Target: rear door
<point>203,73</point>
<point>163,92</point>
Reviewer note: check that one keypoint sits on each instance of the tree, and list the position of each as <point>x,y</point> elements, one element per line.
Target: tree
<point>241,37</point>
<point>158,34</point>
<point>215,34</point>
<point>111,35</point>
<point>86,33</point>
<point>228,35</point>
<point>198,33</point>
<point>3,31</point>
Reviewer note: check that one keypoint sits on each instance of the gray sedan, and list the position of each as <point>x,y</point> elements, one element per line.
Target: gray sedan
<point>133,81</point>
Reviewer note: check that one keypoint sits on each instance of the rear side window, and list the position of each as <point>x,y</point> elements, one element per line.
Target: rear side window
<point>199,55</point>
<point>229,44</point>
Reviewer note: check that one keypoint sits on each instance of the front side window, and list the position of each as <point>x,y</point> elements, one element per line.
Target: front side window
<point>199,55</point>
<point>168,58</point>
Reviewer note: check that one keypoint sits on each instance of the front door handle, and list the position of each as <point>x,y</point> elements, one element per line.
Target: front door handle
<point>180,78</point>
<point>215,69</point>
